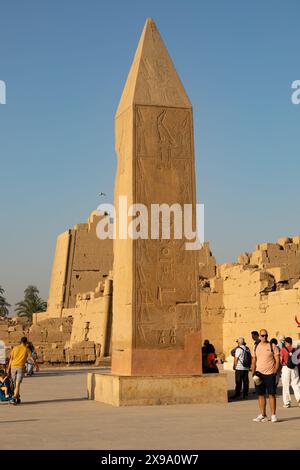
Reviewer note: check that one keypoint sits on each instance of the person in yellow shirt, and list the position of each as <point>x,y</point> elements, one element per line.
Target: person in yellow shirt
<point>16,366</point>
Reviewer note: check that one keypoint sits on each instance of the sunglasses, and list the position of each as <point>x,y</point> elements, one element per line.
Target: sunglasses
<point>263,336</point>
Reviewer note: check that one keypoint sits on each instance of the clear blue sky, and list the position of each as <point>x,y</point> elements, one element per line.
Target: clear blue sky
<point>65,63</point>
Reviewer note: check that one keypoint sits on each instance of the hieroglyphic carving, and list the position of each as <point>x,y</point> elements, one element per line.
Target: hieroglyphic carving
<point>156,79</point>
<point>159,127</point>
<point>165,272</point>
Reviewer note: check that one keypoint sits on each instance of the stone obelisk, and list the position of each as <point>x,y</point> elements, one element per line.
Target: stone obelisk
<point>156,321</point>
<point>156,345</point>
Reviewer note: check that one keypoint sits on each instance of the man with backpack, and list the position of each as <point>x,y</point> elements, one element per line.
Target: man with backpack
<point>289,374</point>
<point>242,364</point>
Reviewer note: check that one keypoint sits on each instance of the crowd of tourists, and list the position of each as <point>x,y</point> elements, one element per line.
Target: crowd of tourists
<point>22,361</point>
<point>269,361</point>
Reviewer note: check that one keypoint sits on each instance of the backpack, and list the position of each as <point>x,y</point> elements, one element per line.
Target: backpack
<point>290,363</point>
<point>232,352</point>
<point>247,358</point>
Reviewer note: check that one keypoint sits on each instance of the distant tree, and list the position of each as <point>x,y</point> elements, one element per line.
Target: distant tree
<point>32,303</point>
<point>3,304</point>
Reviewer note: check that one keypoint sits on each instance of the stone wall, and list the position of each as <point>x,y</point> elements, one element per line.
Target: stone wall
<point>81,261</point>
<point>261,290</point>
<point>80,335</point>
<point>12,330</point>
<point>48,336</point>
<point>92,325</point>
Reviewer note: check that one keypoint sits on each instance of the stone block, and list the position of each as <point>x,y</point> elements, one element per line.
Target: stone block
<point>216,285</point>
<point>4,337</point>
<point>53,336</point>
<point>267,247</point>
<point>214,301</point>
<point>284,240</point>
<point>243,258</point>
<point>69,355</point>
<point>161,390</point>
<point>15,336</point>
<point>84,344</point>
<point>89,350</point>
<point>280,274</point>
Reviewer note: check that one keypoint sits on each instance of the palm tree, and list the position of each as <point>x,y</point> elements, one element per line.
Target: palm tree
<point>32,303</point>
<point>3,304</point>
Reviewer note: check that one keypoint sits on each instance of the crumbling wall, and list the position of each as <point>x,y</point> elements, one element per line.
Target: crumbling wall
<point>207,262</point>
<point>261,290</point>
<point>282,259</point>
<point>81,261</point>
<point>211,299</point>
<point>212,312</point>
<point>49,337</point>
<point>12,330</point>
<point>91,331</point>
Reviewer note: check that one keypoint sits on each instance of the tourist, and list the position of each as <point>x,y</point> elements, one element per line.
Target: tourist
<point>204,356</point>
<point>208,350</point>
<point>281,340</point>
<point>278,375</point>
<point>265,365</point>
<point>290,374</point>
<point>255,337</point>
<point>242,364</point>
<point>206,343</point>
<point>232,352</point>
<point>16,366</point>
<point>30,360</point>
<point>6,392</point>
<point>211,360</point>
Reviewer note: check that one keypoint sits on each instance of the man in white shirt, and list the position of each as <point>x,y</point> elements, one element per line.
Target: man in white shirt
<point>241,367</point>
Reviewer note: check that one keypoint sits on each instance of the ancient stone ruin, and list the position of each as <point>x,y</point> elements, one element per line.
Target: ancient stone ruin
<point>260,290</point>
<point>146,305</point>
<point>76,328</point>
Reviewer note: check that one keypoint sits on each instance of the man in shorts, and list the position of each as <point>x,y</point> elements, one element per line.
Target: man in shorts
<point>16,367</point>
<point>265,364</point>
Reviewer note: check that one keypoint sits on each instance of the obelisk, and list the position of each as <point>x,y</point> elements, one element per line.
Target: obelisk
<point>156,344</point>
<point>156,320</point>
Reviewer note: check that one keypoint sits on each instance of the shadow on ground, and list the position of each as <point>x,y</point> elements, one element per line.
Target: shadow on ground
<point>55,400</point>
<point>251,396</point>
<point>62,373</point>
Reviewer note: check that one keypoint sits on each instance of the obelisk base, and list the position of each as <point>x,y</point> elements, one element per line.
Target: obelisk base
<point>120,390</point>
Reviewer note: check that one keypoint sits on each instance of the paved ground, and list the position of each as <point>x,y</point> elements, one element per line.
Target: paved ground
<point>55,414</point>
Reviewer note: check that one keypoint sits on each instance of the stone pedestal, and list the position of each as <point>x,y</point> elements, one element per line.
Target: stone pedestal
<point>118,390</point>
